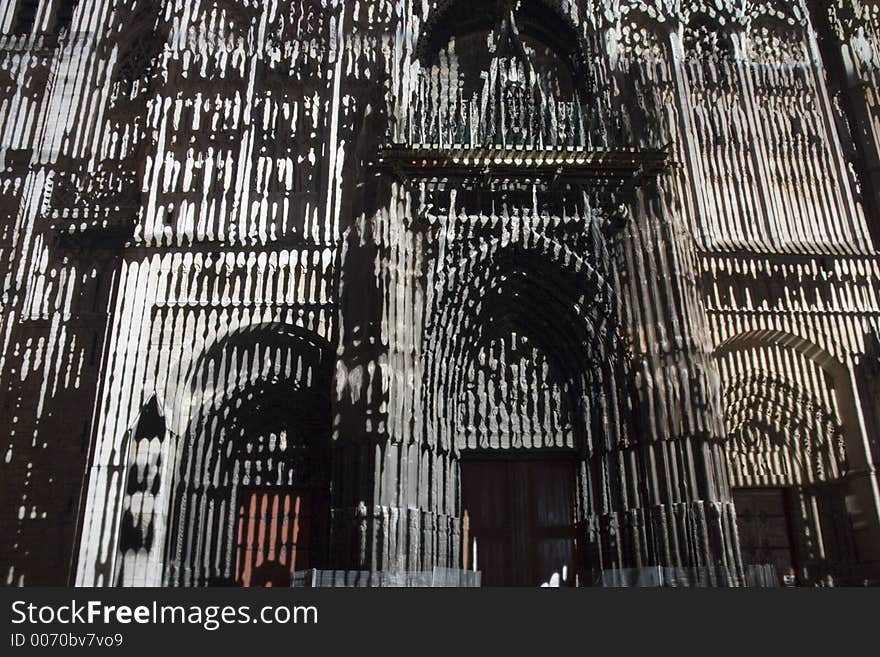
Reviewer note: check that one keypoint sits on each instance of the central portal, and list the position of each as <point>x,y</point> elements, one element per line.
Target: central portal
<point>521,520</point>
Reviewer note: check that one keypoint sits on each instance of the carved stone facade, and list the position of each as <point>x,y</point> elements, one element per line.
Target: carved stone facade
<point>540,287</point>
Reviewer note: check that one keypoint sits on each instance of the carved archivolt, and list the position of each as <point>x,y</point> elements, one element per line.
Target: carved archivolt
<point>779,433</point>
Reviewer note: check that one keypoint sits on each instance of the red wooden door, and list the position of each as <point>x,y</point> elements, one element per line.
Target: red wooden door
<point>273,537</point>
<point>521,517</point>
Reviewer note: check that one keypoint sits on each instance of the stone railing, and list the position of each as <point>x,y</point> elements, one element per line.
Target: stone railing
<point>518,118</point>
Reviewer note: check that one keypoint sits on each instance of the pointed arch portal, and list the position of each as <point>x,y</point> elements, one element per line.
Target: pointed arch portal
<point>251,504</point>
<point>795,453</point>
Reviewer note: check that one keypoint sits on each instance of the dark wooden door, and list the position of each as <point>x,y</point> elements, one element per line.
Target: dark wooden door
<point>273,537</point>
<point>764,528</point>
<point>521,517</point>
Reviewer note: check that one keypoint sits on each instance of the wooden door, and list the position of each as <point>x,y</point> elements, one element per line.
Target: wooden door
<point>764,531</point>
<point>521,518</point>
<point>273,537</point>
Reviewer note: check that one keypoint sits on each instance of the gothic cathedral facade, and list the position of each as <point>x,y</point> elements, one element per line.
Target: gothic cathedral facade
<point>560,291</point>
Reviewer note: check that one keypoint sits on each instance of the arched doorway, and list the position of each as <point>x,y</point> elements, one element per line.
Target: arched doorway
<point>251,503</point>
<point>789,457</point>
<point>521,416</point>
<point>521,379</point>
